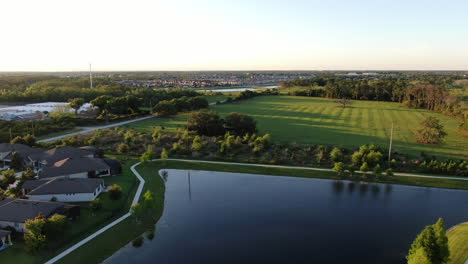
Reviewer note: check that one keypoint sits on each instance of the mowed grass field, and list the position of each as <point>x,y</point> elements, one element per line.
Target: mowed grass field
<point>308,120</point>
<point>458,244</point>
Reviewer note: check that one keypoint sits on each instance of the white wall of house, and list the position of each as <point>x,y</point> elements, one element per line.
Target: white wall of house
<point>71,197</point>
<point>18,226</point>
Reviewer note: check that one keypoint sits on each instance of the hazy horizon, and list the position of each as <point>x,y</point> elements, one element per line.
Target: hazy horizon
<point>208,35</point>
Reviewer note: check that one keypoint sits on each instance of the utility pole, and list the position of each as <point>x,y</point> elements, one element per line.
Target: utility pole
<point>90,77</point>
<point>390,148</point>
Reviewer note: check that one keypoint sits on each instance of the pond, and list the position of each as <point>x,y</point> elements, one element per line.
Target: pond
<point>217,217</point>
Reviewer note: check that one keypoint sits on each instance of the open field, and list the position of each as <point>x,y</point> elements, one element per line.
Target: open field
<point>458,244</point>
<point>308,120</point>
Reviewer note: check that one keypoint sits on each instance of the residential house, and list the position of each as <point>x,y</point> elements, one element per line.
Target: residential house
<point>15,212</point>
<point>63,189</point>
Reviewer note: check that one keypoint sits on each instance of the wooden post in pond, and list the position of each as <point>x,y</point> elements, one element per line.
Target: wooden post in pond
<point>390,148</point>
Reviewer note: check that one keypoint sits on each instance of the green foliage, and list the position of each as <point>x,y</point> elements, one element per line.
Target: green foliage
<point>16,161</point>
<point>55,226</point>
<point>8,177</point>
<point>431,243</point>
<point>28,174</point>
<point>389,172</point>
<point>377,170</point>
<point>76,103</point>
<point>240,124</point>
<point>364,167</point>
<point>431,131</point>
<point>339,168</point>
<point>148,155</point>
<point>336,155</point>
<point>95,204</point>
<point>35,238</point>
<point>136,210</point>
<point>122,148</point>
<point>196,144</point>
<point>205,122</point>
<point>164,154</point>
<point>115,192</point>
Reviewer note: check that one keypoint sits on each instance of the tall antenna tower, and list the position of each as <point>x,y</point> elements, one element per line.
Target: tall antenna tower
<point>90,77</point>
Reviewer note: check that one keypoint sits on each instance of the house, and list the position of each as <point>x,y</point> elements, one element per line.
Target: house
<point>83,167</point>
<point>5,239</point>
<point>25,152</point>
<point>15,212</point>
<point>63,189</point>
<point>61,161</point>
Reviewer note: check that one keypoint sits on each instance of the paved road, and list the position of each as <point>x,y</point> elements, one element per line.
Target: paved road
<point>85,130</point>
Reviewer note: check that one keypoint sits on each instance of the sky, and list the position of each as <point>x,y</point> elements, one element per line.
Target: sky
<point>57,35</point>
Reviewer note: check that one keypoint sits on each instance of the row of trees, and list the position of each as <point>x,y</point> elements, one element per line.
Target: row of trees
<point>199,142</point>
<point>210,123</point>
<point>172,107</point>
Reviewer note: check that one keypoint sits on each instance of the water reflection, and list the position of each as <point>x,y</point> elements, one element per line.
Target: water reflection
<point>240,218</point>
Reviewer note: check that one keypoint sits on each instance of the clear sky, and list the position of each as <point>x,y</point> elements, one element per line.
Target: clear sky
<point>66,35</point>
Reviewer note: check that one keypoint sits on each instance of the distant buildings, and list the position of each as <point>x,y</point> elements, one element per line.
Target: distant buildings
<point>38,110</point>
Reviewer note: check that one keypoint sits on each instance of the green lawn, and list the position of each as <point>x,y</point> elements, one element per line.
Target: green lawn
<point>307,120</point>
<point>458,244</point>
<point>109,242</point>
<point>87,223</point>
<point>61,133</point>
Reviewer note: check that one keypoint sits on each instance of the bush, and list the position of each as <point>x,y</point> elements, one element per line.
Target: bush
<point>115,192</point>
<point>137,242</point>
<point>364,167</point>
<point>95,204</point>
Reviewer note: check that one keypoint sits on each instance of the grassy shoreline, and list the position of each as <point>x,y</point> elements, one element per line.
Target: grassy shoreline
<point>117,237</point>
<point>458,243</point>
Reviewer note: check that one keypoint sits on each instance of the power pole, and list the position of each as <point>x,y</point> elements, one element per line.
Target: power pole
<point>90,77</point>
<point>390,148</point>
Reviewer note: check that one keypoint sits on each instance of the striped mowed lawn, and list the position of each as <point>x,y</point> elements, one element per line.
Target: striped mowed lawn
<point>308,120</point>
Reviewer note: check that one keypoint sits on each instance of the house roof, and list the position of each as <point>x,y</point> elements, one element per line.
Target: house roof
<point>113,163</point>
<point>69,166</point>
<point>60,153</point>
<point>33,184</point>
<point>63,186</point>
<point>25,151</point>
<point>19,210</point>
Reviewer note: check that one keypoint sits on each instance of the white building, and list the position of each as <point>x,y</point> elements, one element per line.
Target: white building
<point>63,189</point>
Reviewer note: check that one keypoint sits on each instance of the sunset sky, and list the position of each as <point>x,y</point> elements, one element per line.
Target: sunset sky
<point>51,35</point>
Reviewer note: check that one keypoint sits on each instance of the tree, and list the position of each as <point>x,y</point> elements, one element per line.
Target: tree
<point>148,155</point>
<point>351,170</point>
<point>431,131</point>
<point>431,245</point>
<point>55,226</point>
<point>122,148</point>
<point>115,192</point>
<point>377,170</point>
<point>336,155</point>
<point>240,124</point>
<point>343,102</point>
<point>95,204</point>
<point>339,168</point>
<point>418,257</point>
<point>34,238</point>
<point>28,174</point>
<point>76,104</point>
<point>149,202</point>
<point>364,167</point>
<point>196,144</point>
<point>206,123</point>
<point>389,172</point>
<point>165,108</point>
<point>16,161</point>
<point>164,154</point>
<point>8,177</point>
<point>443,252</point>
<point>29,140</point>
<point>18,140</point>
<point>60,111</point>
<point>136,211</point>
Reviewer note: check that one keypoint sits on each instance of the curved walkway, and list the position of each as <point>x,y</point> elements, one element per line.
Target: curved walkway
<point>142,183</point>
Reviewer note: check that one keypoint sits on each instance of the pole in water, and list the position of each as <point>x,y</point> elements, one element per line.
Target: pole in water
<point>390,148</point>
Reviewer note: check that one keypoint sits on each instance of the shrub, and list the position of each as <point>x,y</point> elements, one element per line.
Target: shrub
<point>364,167</point>
<point>115,192</point>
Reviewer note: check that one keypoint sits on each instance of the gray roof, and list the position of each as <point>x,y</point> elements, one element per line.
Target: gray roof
<point>73,165</point>
<point>63,186</point>
<point>25,151</point>
<point>33,184</point>
<point>56,154</point>
<point>19,210</point>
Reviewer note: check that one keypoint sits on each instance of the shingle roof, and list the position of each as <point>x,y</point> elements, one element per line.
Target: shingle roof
<point>69,166</point>
<point>19,210</point>
<point>64,185</point>
<point>33,184</point>
<point>56,154</point>
<point>6,149</point>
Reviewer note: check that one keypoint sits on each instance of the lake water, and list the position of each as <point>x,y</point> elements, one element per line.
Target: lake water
<point>216,217</point>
